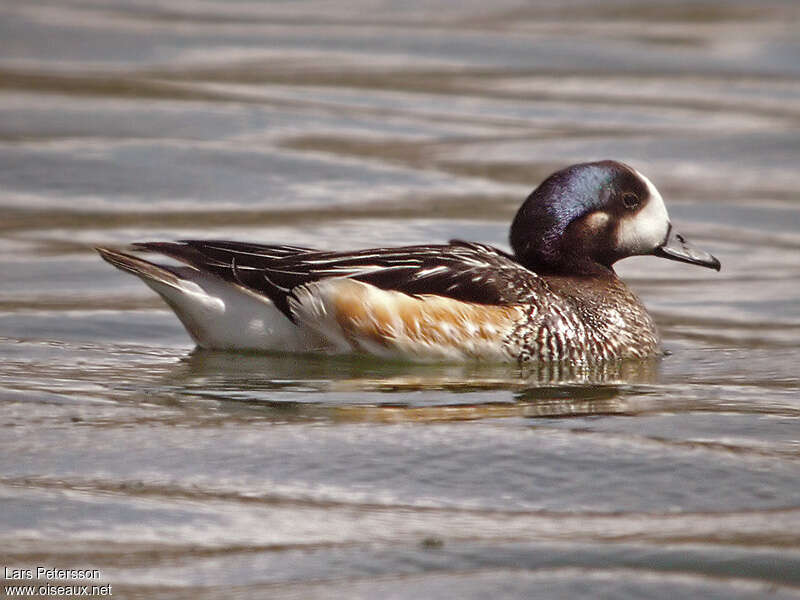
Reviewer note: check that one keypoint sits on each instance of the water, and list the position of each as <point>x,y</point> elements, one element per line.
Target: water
<point>185,474</point>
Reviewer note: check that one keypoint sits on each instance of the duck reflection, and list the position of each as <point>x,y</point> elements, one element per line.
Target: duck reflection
<point>361,388</point>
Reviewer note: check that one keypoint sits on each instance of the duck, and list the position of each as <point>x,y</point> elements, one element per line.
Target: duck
<point>554,298</point>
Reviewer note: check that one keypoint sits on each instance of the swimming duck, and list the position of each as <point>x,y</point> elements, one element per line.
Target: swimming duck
<point>556,297</point>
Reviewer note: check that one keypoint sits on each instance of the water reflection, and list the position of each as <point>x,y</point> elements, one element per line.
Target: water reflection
<point>362,388</point>
<point>243,369</point>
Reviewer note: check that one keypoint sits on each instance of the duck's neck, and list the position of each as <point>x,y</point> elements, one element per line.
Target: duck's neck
<point>570,266</point>
<point>599,283</point>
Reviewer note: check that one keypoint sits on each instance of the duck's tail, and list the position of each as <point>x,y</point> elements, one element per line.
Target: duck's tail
<point>148,271</point>
<point>218,314</point>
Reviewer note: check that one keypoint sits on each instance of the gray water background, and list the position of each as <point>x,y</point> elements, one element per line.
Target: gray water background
<point>184,474</point>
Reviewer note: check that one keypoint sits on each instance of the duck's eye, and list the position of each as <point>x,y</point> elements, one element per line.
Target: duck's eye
<point>630,200</point>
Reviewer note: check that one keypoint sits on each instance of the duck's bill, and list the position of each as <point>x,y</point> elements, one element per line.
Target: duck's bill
<point>677,248</point>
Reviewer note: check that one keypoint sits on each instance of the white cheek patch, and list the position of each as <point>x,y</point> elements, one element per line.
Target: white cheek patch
<point>646,230</point>
<point>597,221</point>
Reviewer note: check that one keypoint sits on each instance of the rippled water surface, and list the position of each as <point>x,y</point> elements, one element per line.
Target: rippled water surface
<point>186,474</point>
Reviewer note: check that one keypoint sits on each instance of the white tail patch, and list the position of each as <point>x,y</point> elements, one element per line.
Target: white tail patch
<point>224,316</point>
<point>217,314</point>
<point>357,317</point>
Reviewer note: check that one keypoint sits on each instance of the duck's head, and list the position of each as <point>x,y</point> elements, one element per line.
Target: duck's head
<point>584,218</point>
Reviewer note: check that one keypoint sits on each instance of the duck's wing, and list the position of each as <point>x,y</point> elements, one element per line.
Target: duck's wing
<point>463,271</point>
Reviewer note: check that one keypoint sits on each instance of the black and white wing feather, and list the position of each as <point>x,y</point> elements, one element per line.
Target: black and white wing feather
<point>464,271</point>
